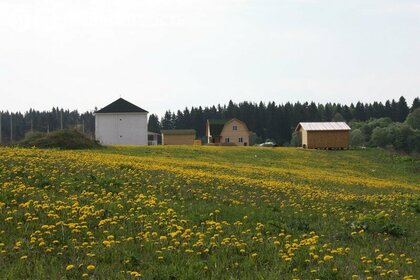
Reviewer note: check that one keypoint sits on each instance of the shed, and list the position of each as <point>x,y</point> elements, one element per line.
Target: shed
<point>178,136</point>
<point>121,123</point>
<point>324,135</point>
<point>153,138</point>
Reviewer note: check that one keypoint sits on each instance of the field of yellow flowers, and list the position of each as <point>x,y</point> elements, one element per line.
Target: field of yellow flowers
<point>209,213</point>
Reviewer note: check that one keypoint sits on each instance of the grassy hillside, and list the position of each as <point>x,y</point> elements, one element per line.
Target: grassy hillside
<point>210,213</point>
<point>66,139</point>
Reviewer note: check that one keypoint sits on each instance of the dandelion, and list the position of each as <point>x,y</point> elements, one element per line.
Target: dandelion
<point>119,205</point>
<point>69,267</point>
<point>327,258</point>
<point>163,238</point>
<point>135,274</point>
<point>90,267</point>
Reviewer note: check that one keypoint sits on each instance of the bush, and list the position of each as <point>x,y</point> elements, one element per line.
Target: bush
<point>357,138</point>
<point>378,223</point>
<point>380,137</point>
<point>70,139</point>
<point>413,119</point>
<point>415,204</point>
<point>401,134</point>
<point>295,142</point>
<point>368,126</point>
<point>387,134</point>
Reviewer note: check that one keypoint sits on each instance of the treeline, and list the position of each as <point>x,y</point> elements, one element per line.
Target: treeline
<point>268,120</point>
<point>14,126</point>
<point>383,132</point>
<point>278,121</point>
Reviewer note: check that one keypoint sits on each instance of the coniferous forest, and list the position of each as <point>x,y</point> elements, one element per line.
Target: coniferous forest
<point>267,120</point>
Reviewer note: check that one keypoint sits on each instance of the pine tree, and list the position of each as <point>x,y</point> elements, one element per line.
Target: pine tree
<point>166,121</point>
<point>402,109</point>
<point>153,124</point>
<point>416,104</point>
<point>271,120</point>
<point>359,112</point>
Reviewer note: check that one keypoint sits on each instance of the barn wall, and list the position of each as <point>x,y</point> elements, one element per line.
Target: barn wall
<point>303,134</point>
<point>121,129</point>
<point>328,139</point>
<point>234,135</point>
<point>178,139</point>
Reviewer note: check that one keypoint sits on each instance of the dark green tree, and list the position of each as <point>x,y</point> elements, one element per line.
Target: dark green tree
<point>402,110</point>
<point>416,104</point>
<point>413,119</point>
<point>167,121</point>
<point>357,139</point>
<point>154,123</point>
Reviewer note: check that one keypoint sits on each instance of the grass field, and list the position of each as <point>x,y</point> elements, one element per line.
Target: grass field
<point>209,213</point>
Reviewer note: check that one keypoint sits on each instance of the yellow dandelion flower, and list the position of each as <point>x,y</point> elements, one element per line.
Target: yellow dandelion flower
<point>327,258</point>
<point>90,267</point>
<point>69,267</point>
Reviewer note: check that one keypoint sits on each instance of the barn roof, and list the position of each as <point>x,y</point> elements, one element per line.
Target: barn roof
<point>216,126</point>
<point>321,126</point>
<point>178,131</point>
<point>121,106</point>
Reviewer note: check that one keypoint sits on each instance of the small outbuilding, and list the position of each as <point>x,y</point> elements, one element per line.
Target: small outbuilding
<point>178,137</point>
<point>121,123</point>
<point>323,135</point>
<point>153,138</point>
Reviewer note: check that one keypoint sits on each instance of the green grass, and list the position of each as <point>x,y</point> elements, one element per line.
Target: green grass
<point>209,212</point>
<point>67,139</point>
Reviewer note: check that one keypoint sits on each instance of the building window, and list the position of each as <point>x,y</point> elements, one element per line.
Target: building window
<point>227,140</point>
<point>235,128</point>
<point>240,140</point>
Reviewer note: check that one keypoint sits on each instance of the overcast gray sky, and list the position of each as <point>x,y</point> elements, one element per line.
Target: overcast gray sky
<point>171,54</point>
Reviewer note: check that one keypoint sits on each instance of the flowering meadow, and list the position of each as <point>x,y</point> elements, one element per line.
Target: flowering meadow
<point>208,213</point>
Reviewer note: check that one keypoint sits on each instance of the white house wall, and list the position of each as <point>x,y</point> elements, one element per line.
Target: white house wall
<point>121,128</point>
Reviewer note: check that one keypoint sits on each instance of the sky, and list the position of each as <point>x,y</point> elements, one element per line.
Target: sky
<point>160,55</point>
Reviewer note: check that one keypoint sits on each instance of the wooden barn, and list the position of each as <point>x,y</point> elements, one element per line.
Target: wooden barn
<point>323,135</point>
<point>178,137</point>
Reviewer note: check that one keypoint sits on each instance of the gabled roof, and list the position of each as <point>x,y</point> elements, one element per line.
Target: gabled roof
<point>121,106</point>
<point>218,121</point>
<point>178,131</point>
<point>323,126</point>
<point>217,125</point>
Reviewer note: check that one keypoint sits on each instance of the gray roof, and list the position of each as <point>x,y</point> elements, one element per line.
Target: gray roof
<point>320,126</point>
<point>178,131</point>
